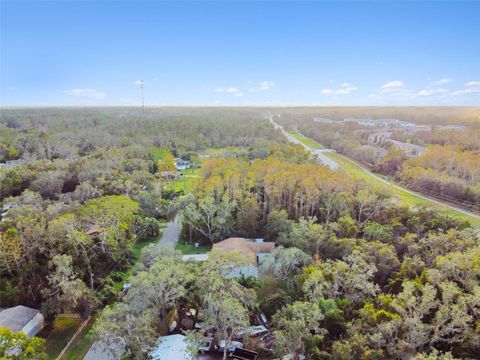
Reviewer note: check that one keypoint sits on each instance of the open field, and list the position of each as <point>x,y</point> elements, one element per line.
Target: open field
<point>406,196</point>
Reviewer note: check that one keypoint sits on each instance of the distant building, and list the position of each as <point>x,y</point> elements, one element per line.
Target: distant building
<point>381,137</point>
<point>181,164</point>
<point>382,123</point>
<point>169,175</point>
<point>255,251</point>
<point>22,318</point>
<point>322,120</point>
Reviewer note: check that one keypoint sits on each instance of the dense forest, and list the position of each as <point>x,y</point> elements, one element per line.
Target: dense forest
<point>383,281</point>
<point>355,274</point>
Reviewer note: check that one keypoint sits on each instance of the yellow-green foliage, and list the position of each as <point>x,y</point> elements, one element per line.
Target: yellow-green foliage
<point>18,346</point>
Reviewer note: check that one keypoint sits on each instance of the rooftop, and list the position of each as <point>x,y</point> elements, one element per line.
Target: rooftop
<point>244,246</point>
<point>17,317</point>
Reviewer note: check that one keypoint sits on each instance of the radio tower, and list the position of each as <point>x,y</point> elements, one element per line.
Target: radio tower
<point>143,104</point>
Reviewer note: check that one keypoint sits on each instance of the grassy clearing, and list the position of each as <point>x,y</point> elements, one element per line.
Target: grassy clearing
<point>307,141</point>
<point>186,183</point>
<point>82,343</point>
<point>405,197</point>
<point>229,150</point>
<point>189,249</point>
<point>63,329</point>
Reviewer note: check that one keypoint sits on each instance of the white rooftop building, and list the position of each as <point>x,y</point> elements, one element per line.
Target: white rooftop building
<point>171,347</point>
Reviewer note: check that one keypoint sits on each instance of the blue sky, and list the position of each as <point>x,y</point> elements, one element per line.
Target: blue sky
<point>245,53</point>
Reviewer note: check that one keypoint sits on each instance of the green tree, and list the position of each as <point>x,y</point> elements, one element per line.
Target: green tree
<point>285,263</point>
<point>297,329</point>
<point>209,218</point>
<point>350,279</point>
<point>18,346</point>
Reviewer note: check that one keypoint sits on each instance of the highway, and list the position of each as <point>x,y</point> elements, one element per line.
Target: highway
<point>334,165</point>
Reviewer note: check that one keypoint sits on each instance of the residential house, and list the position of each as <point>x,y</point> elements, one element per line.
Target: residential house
<point>255,251</point>
<point>22,318</point>
<point>181,164</point>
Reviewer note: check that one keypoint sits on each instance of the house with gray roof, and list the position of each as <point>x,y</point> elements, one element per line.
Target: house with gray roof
<point>22,318</point>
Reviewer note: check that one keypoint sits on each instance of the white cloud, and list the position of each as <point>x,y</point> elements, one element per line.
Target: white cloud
<point>393,85</point>
<point>239,94</point>
<point>264,85</point>
<point>139,82</point>
<point>229,89</point>
<point>396,90</point>
<point>393,89</point>
<point>344,89</point>
<point>431,92</point>
<point>472,87</point>
<point>472,84</point>
<point>441,82</point>
<point>86,93</point>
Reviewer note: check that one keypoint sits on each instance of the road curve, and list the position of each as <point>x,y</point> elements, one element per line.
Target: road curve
<point>367,171</point>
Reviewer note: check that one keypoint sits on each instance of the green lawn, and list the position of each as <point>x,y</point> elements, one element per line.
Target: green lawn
<point>186,183</point>
<point>82,343</point>
<point>356,171</point>
<point>307,141</point>
<point>216,152</point>
<point>189,249</point>
<point>63,329</point>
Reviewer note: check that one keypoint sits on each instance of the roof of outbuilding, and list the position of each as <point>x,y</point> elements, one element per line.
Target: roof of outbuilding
<point>17,317</point>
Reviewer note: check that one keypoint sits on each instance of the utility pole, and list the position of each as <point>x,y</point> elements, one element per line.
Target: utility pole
<point>143,104</point>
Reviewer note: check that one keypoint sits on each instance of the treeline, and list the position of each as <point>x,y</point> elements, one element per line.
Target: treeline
<point>354,275</point>
<point>235,197</point>
<point>445,170</point>
<point>437,115</point>
<point>70,133</point>
<point>448,169</point>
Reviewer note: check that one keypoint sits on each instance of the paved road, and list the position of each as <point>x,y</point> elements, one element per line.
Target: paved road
<point>423,197</point>
<point>171,233</point>
<point>99,350</point>
<point>319,153</point>
<point>386,182</point>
